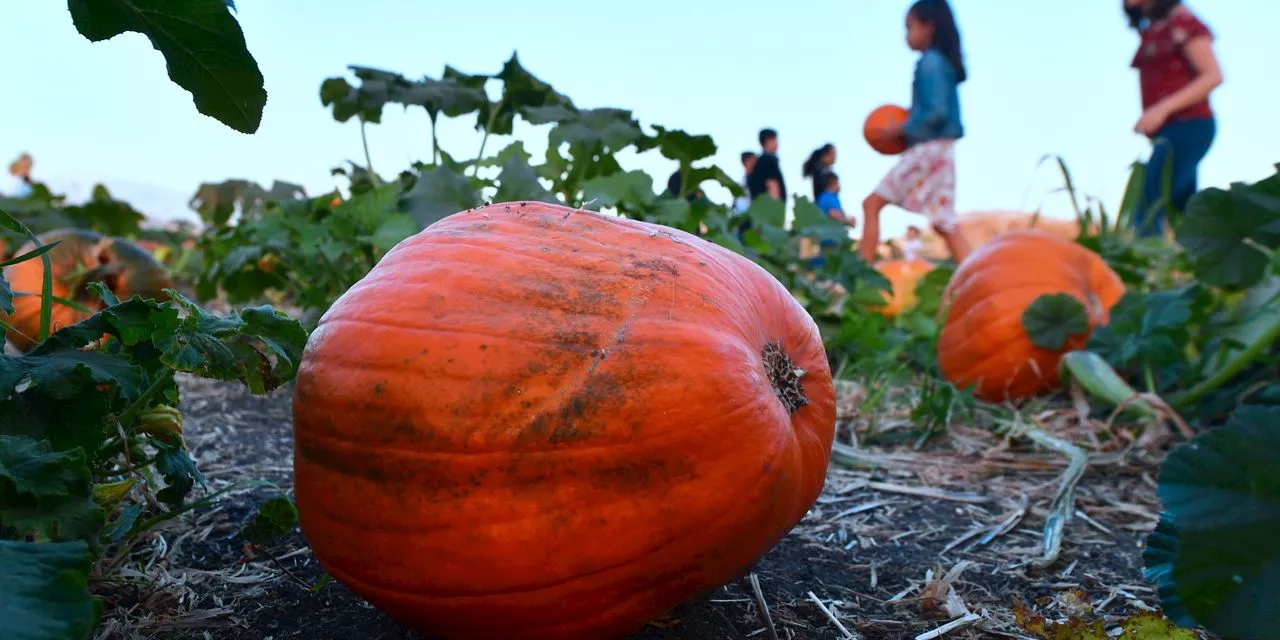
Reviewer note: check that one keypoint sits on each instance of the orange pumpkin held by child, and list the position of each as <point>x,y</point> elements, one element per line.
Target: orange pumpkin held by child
<point>904,276</point>
<point>529,421</point>
<point>80,258</point>
<point>983,342</point>
<point>880,120</point>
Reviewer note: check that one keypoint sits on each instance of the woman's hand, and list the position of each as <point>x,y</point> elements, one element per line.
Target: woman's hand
<point>1151,121</point>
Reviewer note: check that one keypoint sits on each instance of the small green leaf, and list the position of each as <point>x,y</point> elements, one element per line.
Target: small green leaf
<point>438,193</point>
<point>633,188</point>
<point>202,45</point>
<point>518,181</point>
<point>1054,318</point>
<point>274,519</point>
<point>1216,556</point>
<point>44,594</point>
<point>680,146</point>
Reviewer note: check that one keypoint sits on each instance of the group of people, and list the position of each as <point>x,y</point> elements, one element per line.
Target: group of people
<point>1177,71</point>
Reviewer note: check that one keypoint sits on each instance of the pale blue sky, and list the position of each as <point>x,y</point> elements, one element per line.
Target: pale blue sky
<point>1046,77</point>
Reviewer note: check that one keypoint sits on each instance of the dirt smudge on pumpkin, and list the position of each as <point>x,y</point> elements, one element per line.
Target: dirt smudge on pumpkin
<point>579,417</point>
<point>641,475</point>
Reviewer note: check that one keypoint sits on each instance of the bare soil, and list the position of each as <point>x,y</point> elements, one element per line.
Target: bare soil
<point>907,542</point>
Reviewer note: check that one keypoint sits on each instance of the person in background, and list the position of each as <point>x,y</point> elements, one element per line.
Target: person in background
<point>924,180</point>
<point>1177,70</point>
<point>829,202</point>
<point>20,170</point>
<point>743,202</point>
<point>829,199</point>
<point>913,246</point>
<point>766,177</point>
<point>819,166</point>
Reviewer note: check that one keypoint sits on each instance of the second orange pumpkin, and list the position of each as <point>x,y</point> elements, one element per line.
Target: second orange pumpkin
<point>983,343</point>
<point>904,276</point>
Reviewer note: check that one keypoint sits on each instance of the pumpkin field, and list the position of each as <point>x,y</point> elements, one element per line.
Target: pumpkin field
<point>495,395</point>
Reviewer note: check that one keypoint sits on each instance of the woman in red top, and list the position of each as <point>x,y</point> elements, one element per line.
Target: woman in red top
<point>1177,70</point>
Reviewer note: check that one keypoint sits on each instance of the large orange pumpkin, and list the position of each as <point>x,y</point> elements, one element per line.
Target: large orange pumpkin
<point>880,120</point>
<point>529,421</point>
<point>983,342</point>
<point>904,275</point>
<point>80,258</point>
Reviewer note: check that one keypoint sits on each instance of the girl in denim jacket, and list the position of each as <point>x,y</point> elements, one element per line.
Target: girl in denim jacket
<point>924,180</point>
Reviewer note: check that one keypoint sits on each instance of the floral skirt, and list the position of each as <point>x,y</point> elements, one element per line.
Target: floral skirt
<point>924,181</point>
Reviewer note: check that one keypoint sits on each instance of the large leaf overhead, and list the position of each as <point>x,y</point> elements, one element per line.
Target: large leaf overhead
<point>1216,554</point>
<point>202,45</point>
<point>44,595</point>
<point>520,90</point>
<point>1228,232</point>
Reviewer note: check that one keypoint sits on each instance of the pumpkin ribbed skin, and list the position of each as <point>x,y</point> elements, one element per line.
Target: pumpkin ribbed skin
<point>905,276</point>
<point>983,342</point>
<point>529,421</point>
<point>123,266</point>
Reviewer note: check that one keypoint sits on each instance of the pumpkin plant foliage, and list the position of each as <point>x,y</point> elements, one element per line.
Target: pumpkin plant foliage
<point>91,446</point>
<point>1215,555</point>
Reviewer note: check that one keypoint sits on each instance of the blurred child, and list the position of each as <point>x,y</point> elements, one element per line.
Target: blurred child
<point>913,246</point>
<point>829,202</point>
<point>923,181</point>
<point>743,202</point>
<point>1177,71</point>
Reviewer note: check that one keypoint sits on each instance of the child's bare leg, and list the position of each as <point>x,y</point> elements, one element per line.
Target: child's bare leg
<point>956,243</point>
<point>871,226</point>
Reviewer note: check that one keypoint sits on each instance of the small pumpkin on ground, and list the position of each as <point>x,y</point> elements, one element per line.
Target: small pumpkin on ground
<point>81,257</point>
<point>983,342</point>
<point>529,421</point>
<point>904,275</point>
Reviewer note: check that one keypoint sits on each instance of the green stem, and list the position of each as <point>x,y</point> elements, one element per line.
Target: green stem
<point>1233,367</point>
<point>368,159</point>
<point>484,140</point>
<point>435,143</point>
<point>138,405</point>
<point>1099,380</point>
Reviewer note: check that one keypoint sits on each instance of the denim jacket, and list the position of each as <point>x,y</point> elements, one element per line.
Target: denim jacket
<point>935,101</point>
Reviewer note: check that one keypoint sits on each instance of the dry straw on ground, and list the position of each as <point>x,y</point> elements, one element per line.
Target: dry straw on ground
<point>903,544</point>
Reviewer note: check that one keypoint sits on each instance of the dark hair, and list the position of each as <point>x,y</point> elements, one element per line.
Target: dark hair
<point>747,155</point>
<point>811,165</point>
<point>831,179</point>
<point>946,36</point>
<point>767,134</point>
<point>1160,9</point>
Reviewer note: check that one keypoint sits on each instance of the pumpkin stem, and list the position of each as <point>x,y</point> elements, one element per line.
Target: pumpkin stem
<point>785,377</point>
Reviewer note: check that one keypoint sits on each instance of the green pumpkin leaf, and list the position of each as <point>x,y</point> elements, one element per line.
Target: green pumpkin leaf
<point>680,146</point>
<point>202,45</point>
<point>437,193</point>
<point>45,494</point>
<point>1054,318</point>
<point>518,180</point>
<point>1228,233</point>
<point>628,189</point>
<point>1216,556</point>
<point>105,214</point>
<point>44,594</point>
<point>274,519</point>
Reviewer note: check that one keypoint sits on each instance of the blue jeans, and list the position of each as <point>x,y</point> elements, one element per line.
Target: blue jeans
<point>1180,145</point>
